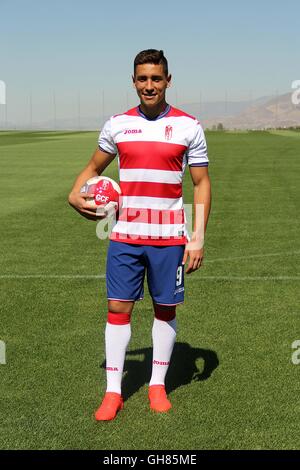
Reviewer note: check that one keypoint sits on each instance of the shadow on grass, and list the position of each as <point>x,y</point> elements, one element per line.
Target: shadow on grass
<point>182,371</point>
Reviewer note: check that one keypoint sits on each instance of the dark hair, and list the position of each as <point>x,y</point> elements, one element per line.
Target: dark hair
<point>151,56</point>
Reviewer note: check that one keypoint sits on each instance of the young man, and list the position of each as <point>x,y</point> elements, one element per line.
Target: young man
<point>155,142</point>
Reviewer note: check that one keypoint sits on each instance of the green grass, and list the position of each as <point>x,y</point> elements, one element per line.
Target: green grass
<point>232,383</point>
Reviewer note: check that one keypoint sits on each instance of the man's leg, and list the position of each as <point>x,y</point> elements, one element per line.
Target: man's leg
<point>163,338</point>
<point>165,277</point>
<point>124,282</point>
<point>117,337</point>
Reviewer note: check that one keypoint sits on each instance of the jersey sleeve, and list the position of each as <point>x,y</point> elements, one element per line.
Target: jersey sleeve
<point>106,142</point>
<point>197,151</point>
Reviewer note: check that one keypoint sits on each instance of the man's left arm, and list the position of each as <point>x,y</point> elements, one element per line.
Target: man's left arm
<point>202,202</point>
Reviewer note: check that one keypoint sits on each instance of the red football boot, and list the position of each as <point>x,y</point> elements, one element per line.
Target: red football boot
<point>158,398</point>
<point>111,404</point>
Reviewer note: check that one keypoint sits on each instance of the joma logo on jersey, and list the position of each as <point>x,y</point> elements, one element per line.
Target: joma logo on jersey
<point>168,132</point>
<point>133,131</point>
<point>112,369</point>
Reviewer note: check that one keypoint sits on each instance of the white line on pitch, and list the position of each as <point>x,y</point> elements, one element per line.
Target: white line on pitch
<point>52,276</point>
<point>241,278</point>
<point>102,276</point>
<point>263,255</point>
<point>249,278</point>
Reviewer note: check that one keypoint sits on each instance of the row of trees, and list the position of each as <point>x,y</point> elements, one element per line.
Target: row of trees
<point>219,127</point>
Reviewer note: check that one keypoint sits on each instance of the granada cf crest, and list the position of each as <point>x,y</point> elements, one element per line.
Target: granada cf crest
<point>168,132</point>
<point>105,185</point>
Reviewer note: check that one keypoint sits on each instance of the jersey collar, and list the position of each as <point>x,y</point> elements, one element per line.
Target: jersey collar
<point>161,115</point>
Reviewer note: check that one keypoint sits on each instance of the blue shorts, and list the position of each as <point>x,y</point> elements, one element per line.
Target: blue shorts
<point>126,266</point>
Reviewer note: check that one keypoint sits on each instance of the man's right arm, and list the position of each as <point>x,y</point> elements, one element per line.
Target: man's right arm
<point>97,164</point>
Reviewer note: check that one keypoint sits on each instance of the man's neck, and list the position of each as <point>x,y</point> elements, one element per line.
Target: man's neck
<point>153,113</point>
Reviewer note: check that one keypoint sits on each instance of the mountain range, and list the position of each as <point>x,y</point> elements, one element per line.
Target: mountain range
<point>262,113</point>
<point>267,112</point>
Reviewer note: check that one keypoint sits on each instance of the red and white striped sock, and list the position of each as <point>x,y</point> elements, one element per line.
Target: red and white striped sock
<point>117,337</point>
<point>163,337</point>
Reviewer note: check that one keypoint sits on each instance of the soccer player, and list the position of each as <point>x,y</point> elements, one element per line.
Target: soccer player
<point>154,142</point>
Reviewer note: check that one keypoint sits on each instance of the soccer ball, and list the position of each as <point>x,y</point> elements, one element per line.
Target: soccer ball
<point>106,195</point>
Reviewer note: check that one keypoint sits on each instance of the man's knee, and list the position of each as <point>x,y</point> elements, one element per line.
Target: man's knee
<point>164,312</point>
<point>118,306</point>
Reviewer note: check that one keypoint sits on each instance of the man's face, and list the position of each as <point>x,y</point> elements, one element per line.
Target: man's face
<point>151,84</point>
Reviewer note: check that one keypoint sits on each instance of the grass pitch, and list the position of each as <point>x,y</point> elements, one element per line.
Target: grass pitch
<point>232,382</point>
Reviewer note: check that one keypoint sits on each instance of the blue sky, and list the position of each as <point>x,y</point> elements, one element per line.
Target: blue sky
<point>72,47</point>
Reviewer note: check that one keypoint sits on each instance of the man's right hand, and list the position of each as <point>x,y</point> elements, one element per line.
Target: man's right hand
<point>79,203</point>
<point>99,161</point>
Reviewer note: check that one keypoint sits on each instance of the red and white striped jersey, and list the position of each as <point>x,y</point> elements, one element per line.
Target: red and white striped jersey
<point>152,156</point>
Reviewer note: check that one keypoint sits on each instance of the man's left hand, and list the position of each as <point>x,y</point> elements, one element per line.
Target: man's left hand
<point>195,259</point>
